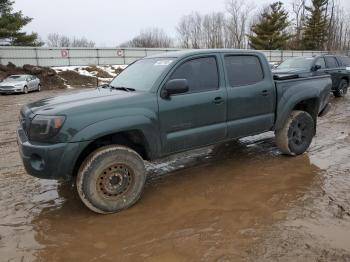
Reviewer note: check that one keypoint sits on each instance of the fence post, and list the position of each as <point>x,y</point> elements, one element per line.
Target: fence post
<point>36,56</point>
<point>124,52</point>
<point>98,57</point>
<point>281,59</point>
<point>69,62</point>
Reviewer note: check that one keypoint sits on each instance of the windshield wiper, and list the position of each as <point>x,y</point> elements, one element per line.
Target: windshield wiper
<point>123,88</point>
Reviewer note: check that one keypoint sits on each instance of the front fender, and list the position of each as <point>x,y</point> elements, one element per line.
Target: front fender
<point>110,126</point>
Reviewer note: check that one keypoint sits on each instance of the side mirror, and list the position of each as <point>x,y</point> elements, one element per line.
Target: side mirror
<point>317,67</point>
<point>175,86</point>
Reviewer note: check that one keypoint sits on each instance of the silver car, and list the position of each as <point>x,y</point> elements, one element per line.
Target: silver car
<point>20,84</point>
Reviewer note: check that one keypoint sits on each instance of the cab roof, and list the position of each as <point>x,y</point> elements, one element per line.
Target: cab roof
<point>190,52</point>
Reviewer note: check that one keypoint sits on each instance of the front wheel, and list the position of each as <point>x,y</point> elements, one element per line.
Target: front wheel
<point>342,89</point>
<point>111,179</point>
<point>39,88</point>
<point>296,135</point>
<point>25,90</point>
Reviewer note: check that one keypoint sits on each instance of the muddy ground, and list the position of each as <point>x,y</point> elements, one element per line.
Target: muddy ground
<point>240,201</point>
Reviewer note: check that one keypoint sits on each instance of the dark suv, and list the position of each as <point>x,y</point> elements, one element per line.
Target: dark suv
<point>336,66</point>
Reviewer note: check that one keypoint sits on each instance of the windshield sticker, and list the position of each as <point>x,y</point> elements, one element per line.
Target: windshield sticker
<point>163,63</point>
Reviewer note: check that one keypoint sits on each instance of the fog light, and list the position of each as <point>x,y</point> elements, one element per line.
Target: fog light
<point>37,162</point>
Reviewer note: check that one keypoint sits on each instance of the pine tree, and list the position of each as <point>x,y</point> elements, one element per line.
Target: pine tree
<point>316,25</point>
<point>11,24</point>
<point>270,32</point>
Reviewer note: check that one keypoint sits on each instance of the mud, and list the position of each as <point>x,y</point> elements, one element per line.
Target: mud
<point>240,201</point>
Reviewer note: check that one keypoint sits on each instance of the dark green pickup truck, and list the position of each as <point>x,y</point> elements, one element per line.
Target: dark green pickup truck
<point>158,106</point>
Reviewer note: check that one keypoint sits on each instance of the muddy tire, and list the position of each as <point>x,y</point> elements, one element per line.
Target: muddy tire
<point>296,135</point>
<point>111,179</point>
<point>342,89</point>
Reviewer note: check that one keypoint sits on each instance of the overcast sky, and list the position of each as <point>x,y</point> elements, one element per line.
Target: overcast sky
<point>110,22</point>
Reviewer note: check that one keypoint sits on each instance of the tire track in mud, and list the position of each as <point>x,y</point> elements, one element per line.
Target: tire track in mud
<point>318,227</point>
<point>232,202</point>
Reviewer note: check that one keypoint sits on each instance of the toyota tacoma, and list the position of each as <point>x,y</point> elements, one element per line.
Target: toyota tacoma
<point>161,105</point>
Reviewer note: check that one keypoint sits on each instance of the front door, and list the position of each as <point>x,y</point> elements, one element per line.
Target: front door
<point>198,117</point>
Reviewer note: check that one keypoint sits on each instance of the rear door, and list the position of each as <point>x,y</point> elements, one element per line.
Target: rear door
<point>251,95</point>
<point>198,117</point>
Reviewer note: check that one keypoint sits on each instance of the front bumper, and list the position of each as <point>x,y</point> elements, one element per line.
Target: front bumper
<point>54,161</point>
<point>11,90</point>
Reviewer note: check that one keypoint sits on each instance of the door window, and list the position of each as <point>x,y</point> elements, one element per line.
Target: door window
<point>243,70</point>
<point>321,62</point>
<point>201,74</point>
<point>331,62</point>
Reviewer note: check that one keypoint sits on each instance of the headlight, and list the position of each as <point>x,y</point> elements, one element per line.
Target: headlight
<point>18,85</point>
<point>44,127</point>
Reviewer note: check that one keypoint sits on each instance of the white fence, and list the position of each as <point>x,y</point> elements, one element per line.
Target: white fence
<point>106,56</point>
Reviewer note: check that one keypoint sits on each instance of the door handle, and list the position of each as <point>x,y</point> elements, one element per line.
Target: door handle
<point>265,93</point>
<point>218,100</point>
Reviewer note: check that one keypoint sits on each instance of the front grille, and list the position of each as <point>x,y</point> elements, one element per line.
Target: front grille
<point>7,87</point>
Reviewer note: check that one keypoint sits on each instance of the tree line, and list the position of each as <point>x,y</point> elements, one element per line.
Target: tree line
<point>301,25</point>
<point>304,25</point>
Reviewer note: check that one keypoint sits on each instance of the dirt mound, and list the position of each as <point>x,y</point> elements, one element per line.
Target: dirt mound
<point>75,79</point>
<point>118,70</point>
<point>98,72</point>
<point>48,77</point>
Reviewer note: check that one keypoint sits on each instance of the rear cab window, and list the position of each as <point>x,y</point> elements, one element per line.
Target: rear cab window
<point>243,70</point>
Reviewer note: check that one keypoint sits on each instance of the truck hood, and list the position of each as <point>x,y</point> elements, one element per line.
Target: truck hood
<point>61,103</point>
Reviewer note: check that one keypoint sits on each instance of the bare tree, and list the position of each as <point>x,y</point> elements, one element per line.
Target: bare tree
<point>213,26</point>
<point>238,18</point>
<point>298,11</point>
<point>190,31</point>
<point>151,38</point>
<point>57,40</point>
<point>339,27</point>
<point>184,32</point>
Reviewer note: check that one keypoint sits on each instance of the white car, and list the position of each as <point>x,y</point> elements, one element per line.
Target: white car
<point>20,84</point>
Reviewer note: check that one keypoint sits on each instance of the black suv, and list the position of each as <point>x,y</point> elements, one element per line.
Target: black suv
<point>336,66</point>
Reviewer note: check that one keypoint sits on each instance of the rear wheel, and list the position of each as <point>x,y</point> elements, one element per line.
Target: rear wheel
<point>296,135</point>
<point>25,90</point>
<point>342,89</point>
<point>111,179</point>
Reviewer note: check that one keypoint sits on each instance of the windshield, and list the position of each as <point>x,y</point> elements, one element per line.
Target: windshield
<point>142,74</point>
<point>15,78</point>
<point>297,62</point>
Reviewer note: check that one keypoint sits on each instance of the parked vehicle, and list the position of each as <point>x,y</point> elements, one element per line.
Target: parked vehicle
<point>336,66</point>
<point>20,84</point>
<point>158,106</point>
